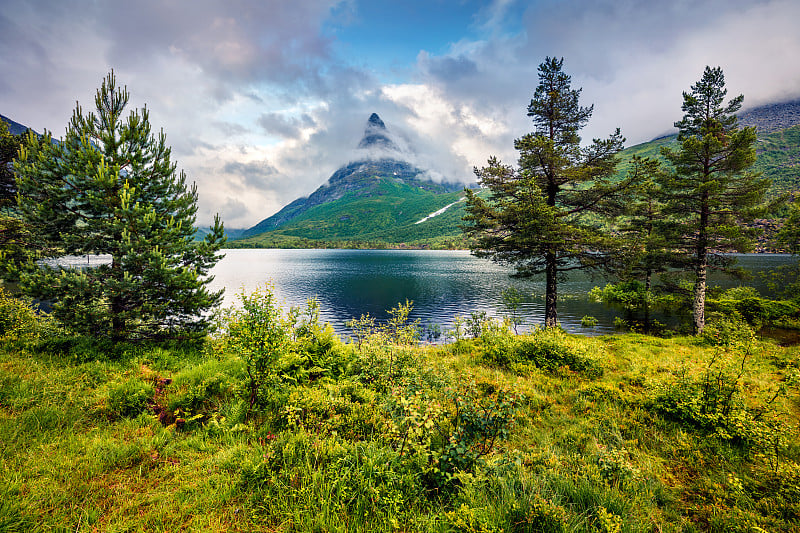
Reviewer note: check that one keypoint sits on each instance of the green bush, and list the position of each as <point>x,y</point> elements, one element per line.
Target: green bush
<point>129,398</point>
<point>19,320</point>
<point>726,331</point>
<point>257,333</point>
<point>348,410</point>
<point>479,421</point>
<point>452,434</point>
<point>547,349</point>
<point>500,349</point>
<point>719,403</point>
<point>745,304</point>
<point>550,349</point>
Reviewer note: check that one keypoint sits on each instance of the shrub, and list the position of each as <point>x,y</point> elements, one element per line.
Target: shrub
<point>19,320</point>
<point>550,349</point>
<point>715,403</point>
<point>726,331</point>
<point>130,398</point>
<point>259,336</point>
<point>345,409</point>
<point>745,304</point>
<point>500,349</point>
<point>397,330</point>
<point>451,435</point>
<point>478,422</point>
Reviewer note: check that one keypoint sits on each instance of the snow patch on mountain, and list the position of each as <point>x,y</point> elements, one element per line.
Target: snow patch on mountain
<point>439,212</point>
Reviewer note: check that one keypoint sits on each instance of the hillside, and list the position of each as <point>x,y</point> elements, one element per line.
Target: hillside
<point>383,210</point>
<point>778,157</point>
<point>15,128</point>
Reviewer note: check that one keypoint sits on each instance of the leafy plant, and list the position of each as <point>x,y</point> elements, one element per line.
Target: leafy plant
<point>256,332</point>
<point>363,327</point>
<point>718,403</point>
<point>512,299</point>
<point>479,422</point>
<point>398,329</point>
<point>19,320</point>
<point>548,349</point>
<point>130,398</point>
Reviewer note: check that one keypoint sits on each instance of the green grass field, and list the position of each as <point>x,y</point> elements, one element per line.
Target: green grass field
<point>541,432</point>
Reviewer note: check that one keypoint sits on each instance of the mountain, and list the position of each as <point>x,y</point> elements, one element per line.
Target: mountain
<point>778,146</point>
<point>377,198</point>
<point>384,201</point>
<point>15,128</point>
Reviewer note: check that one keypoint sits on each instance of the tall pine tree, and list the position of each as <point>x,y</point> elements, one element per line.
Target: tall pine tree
<point>536,215</point>
<point>712,195</point>
<point>110,187</point>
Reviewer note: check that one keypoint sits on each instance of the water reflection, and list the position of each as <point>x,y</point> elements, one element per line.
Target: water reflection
<point>442,284</point>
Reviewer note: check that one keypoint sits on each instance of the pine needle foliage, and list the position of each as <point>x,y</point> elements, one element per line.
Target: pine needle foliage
<point>110,187</point>
<point>538,215</point>
<point>712,194</point>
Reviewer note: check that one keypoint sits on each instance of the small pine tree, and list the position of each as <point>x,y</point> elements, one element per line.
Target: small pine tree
<point>110,187</point>
<point>711,195</point>
<point>643,251</point>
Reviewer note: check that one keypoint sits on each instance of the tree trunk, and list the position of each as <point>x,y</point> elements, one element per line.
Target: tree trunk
<point>701,268</point>
<point>699,304</point>
<point>551,292</point>
<point>117,308</point>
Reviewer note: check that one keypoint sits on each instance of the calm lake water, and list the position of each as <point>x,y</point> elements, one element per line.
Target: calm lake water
<point>441,284</point>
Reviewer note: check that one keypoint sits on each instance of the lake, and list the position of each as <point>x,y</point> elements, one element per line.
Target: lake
<point>441,284</point>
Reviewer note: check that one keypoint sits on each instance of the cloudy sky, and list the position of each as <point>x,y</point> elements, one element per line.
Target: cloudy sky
<point>262,100</point>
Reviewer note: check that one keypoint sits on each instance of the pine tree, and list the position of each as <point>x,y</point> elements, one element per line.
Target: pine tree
<point>15,239</point>
<point>786,279</point>
<point>711,195</point>
<point>110,187</point>
<point>536,215</point>
<point>8,151</point>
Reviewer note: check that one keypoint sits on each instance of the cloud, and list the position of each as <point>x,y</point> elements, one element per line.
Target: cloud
<point>255,174</point>
<point>447,68</point>
<point>259,108</point>
<point>633,59</point>
<point>285,126</point>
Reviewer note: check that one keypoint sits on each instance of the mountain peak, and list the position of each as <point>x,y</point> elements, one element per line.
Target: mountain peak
<point>375,120</point>
<point>376,135</point>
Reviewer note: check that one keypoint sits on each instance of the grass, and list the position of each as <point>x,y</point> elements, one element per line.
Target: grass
<point>384,437</point>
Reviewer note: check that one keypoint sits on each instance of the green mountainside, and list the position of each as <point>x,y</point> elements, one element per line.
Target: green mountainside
<point>778,157</point>
<point>379,201</point>
<point>385,211</point>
